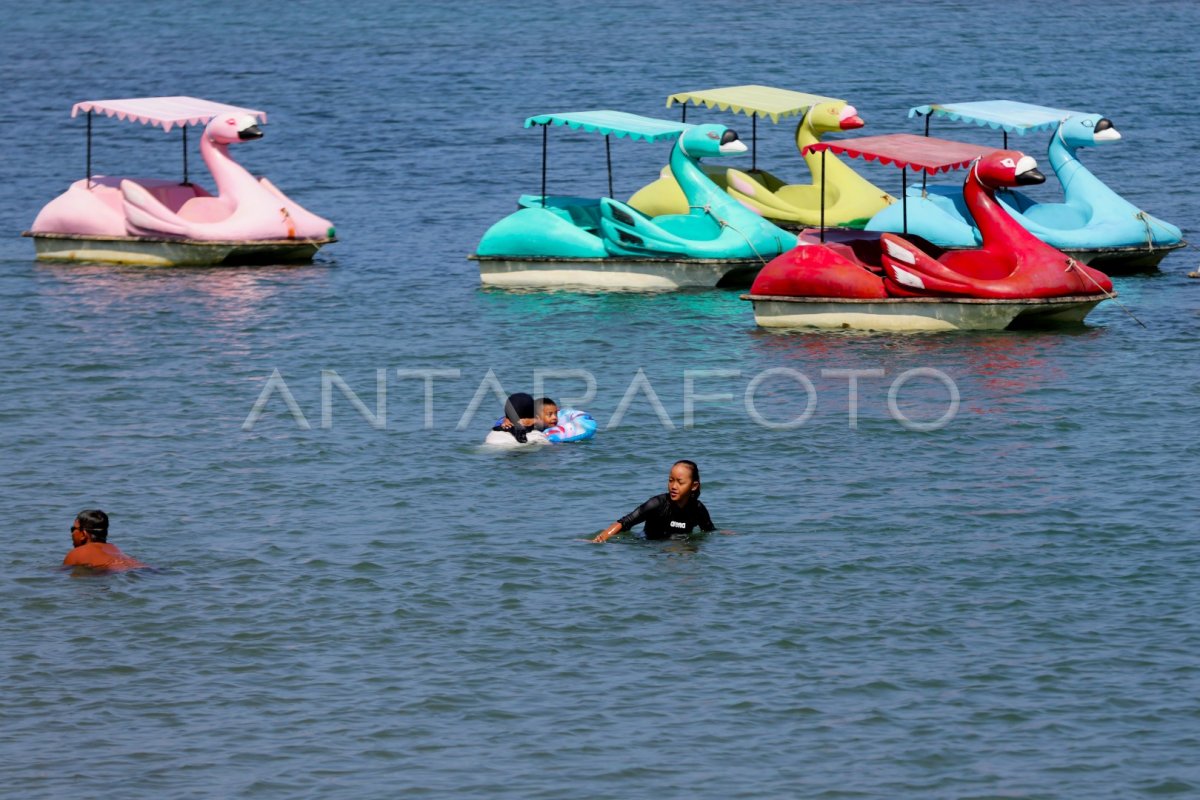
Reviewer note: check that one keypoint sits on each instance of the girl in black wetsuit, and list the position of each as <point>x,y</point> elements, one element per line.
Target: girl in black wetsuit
<point>677,511</point>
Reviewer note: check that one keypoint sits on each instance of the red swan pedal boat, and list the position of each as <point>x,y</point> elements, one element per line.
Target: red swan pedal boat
<point>887,281</point>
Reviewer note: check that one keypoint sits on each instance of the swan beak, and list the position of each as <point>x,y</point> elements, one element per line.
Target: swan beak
<point>253,132</point>
<point>849,119</point>
<point>730,143</point>
<point>1105,132</point>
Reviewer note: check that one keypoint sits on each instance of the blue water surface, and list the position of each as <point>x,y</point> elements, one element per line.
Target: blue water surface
<point>1001,607</point>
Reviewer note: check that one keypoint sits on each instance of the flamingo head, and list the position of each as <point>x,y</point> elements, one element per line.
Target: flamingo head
<point>231,128</point>
<point>1087,130</point>
<point>835,115</point>
<point>707,141</point>
<point>1004,168</point>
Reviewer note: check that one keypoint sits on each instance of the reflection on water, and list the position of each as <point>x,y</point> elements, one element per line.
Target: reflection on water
<point>224,294</point>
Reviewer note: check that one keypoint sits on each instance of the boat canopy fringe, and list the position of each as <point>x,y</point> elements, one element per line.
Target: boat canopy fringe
<point>1009,116</point>
<point>617,123</point>
<point>163,112</point>
<point>753,100</point>
<point>922,153</point>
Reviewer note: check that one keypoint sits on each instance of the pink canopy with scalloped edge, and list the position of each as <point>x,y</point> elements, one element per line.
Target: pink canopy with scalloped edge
<point>163,111</point>
<point>907,150</point>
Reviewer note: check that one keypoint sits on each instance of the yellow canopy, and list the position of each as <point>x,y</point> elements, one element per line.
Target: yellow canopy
<point>751,100</point>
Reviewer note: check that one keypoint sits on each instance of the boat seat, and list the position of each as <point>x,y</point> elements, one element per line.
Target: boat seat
<point>582,212</point>
<point>1057,215</point>
<point>585,217</point>
<point>689,226</point>
<point>205,210</point>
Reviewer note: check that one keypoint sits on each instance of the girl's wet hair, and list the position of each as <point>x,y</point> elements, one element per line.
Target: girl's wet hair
<point>695,472</point>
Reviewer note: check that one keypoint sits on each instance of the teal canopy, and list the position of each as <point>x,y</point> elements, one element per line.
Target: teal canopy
<point>617,123</point>
<point>1006,115</point>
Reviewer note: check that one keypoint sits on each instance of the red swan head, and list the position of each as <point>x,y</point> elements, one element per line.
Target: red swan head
<point>1004,168</point>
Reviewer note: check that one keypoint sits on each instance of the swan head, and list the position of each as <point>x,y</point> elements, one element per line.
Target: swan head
<point>1004,168</point>
<point>708,141</point>
<point>836,115</point>
<point>231,128</point>
<point>1087,130</point>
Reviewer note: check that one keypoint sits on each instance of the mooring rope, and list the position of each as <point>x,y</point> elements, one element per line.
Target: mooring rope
<point>707,209</point>
<point>1144,217</point>
<point>1072,264</point>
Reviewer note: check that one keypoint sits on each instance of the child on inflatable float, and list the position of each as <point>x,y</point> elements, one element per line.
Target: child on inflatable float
<point>526,421</point>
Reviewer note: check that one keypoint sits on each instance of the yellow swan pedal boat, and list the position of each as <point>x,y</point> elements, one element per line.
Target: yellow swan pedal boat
<point>849,199</point>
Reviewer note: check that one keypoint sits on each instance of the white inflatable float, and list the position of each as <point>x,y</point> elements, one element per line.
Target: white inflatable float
<point>506,439</point>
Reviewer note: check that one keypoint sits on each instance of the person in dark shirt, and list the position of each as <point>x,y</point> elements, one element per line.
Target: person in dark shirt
<point>677,511</point>
<point>543,417</point>
<point>519,416</point>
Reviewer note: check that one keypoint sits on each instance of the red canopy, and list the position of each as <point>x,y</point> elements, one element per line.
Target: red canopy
<point>907,150</point>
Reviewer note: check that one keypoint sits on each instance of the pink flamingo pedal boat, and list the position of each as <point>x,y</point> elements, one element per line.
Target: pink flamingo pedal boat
<point>887,281</point>
<point>155,222</point>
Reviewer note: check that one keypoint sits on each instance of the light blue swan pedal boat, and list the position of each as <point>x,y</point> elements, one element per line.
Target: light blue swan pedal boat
<point>565,241</point>
<point>1093,223</point>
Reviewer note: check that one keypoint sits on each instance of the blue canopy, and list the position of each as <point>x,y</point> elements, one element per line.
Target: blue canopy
<point>618,123</point>
<point>1007,115</point>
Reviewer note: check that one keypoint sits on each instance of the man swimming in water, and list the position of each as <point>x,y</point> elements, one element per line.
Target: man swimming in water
<point>678,511</point>
<point>89,540</point>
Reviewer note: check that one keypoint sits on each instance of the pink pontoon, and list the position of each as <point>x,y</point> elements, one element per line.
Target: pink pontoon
<point>166,222</point>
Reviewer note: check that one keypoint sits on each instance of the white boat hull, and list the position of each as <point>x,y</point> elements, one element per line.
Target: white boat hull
<point>614,273</point>
<point>917,313</point>
<point>149,252</point>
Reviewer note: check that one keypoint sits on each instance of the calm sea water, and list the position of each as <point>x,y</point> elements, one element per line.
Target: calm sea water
<point>1004,607</point>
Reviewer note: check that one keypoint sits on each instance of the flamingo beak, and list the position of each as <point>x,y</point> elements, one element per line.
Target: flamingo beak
<point>849,119</point>
<point>253,132</point>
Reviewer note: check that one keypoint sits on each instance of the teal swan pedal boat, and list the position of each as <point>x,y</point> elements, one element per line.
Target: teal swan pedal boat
<point>563,241</point>
<point>1093,224</point>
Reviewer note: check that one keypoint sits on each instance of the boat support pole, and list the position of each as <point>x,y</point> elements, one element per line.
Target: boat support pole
<point>1006,140</point>
<point>904,194</point>
<point>545,128</point>
<point>684,107</point>
<point>823,152</point>
<point>754,142</point>
<point>185,175</point>
<point>88,181</point>
<point>608,158</point>
<point>924,174</point>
